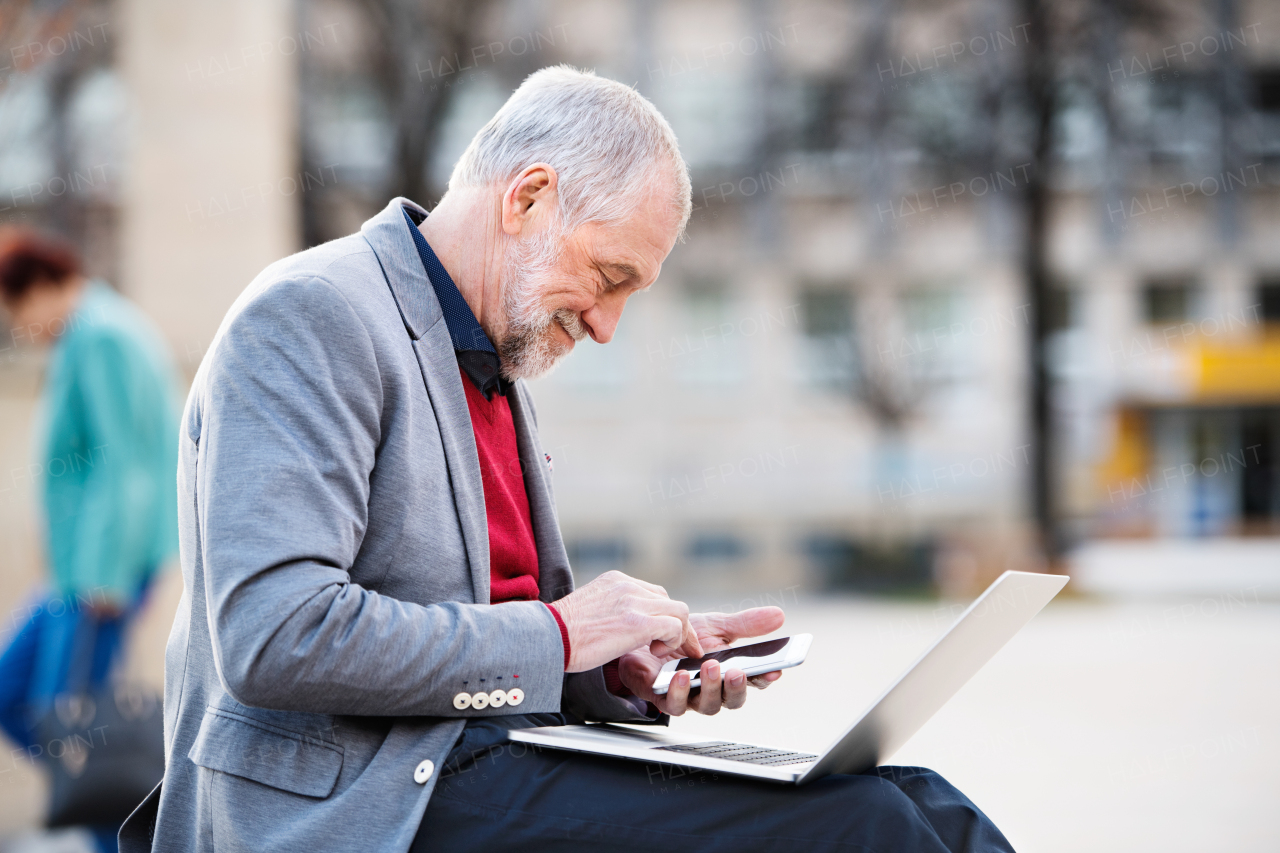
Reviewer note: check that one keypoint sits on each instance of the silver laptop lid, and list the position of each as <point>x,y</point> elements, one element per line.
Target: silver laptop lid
<point>956,656</point>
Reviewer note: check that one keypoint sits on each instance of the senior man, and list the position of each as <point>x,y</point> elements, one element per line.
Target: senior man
<point>376,587</point>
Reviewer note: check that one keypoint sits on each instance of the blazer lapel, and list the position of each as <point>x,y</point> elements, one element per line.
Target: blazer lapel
<point>388,235</point>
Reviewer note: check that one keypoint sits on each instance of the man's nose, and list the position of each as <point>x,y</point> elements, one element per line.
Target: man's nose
<point>602,318</point>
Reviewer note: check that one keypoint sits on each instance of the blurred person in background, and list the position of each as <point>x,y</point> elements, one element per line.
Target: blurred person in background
<point>107,456</point>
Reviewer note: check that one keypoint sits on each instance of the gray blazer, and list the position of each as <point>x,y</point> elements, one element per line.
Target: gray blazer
<point>336,565</point>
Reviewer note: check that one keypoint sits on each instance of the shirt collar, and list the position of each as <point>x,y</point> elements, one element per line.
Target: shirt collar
<point>475,352</point>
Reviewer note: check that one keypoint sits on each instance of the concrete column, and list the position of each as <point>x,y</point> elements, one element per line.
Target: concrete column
<point>210,192</point>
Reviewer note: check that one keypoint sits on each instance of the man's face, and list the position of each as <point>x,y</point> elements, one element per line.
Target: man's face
<point>559,288</point>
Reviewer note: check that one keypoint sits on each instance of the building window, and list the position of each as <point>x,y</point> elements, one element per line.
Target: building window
<point>1266,104</point>
<point>716,548</point>
<point>827,313</point>
<point>1177,133</point>
<point>1266,90</point>
<point>710,352</point>
<point>592,556</point>
<point>1167,300</point>
<point>827,318</point>
<point>1260,475</point>
<point>942,337</point>
<point>819,120</point>
<point>841,562</point>
<point>1267,301</point>
<point>1063,309</point>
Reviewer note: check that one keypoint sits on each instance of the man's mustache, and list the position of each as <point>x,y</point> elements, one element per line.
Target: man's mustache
<point>571,323</point>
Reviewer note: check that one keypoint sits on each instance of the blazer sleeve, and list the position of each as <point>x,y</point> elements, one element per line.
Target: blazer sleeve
<point>288,434</point>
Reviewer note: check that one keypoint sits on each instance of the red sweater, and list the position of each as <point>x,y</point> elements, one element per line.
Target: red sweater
<point>513,553</point>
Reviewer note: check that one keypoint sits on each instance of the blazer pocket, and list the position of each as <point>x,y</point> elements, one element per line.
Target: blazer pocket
<point>275,757</point>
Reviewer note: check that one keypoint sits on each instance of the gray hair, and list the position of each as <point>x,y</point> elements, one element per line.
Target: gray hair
<point>606,142</point>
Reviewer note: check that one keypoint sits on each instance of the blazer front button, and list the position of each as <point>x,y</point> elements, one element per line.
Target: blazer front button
<point>497,698</point>
<point>479,701</point>
<point>462,701</point>
<point>515,696</point>
<point>423,772</point>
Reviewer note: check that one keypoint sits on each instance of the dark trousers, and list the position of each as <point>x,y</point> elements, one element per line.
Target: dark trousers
<point>494,795</point>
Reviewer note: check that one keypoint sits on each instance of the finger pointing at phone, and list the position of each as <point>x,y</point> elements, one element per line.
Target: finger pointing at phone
<point>721,686</point>
<point>616,613</point>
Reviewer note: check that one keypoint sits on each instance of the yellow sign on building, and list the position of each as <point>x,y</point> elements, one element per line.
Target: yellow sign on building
<point>1247,371</point>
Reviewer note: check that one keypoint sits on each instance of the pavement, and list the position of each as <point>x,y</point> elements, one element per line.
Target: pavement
<point>1101,727</point>
<point>1104,726</point>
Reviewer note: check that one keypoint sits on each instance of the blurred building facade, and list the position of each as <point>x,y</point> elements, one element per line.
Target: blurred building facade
<point>828,385</point>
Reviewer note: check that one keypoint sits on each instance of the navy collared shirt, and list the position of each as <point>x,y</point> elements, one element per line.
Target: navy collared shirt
<point>476,355</point>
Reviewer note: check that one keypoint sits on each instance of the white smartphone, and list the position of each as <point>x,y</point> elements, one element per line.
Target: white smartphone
<point>754,659</point>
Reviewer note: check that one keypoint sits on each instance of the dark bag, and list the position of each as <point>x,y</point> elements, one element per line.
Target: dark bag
<point>105,746</point>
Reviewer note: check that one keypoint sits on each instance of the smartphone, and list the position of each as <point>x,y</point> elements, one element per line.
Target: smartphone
<point>755,659</point>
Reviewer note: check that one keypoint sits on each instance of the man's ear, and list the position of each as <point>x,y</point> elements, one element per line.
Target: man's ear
<point>529,194</point>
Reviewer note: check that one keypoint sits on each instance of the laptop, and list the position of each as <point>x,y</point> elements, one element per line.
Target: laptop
<point>872,738</point>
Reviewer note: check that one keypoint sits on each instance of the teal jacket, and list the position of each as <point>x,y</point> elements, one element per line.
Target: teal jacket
<point>109,450</point>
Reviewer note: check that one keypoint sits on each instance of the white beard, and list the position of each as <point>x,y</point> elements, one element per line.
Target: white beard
<point>528,344</point>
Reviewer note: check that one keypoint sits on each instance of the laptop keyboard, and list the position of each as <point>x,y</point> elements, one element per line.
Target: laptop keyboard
<point>742,752</point>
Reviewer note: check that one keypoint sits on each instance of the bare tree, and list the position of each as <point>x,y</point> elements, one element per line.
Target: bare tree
<point>1068,48</point>
<point>1066,43</point>
<point>416,49</point>
<point>418,36</point>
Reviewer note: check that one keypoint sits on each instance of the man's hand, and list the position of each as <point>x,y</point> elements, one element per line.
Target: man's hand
<point>615,614</point>
<point>639,668</point>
